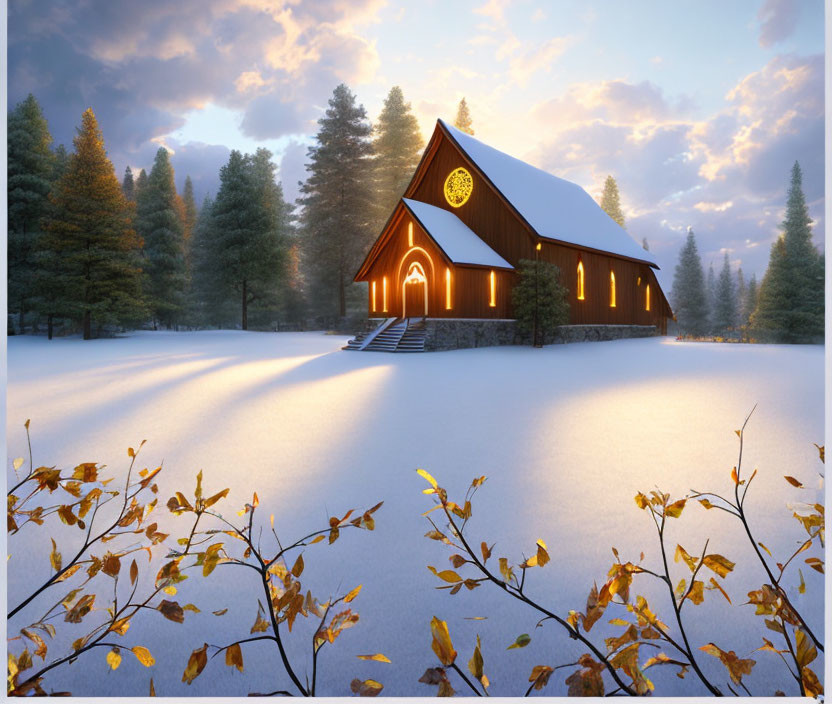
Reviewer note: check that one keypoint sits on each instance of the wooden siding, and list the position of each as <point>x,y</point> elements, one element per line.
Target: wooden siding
<point>488,214</point>
<point>470,286</point>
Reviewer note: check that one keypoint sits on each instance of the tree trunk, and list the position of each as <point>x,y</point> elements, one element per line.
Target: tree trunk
<point>245,305</point>
<point>87,325</point>
<point>49,326</point>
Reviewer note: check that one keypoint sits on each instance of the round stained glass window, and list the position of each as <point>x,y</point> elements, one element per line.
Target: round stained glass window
<point>458,187</point>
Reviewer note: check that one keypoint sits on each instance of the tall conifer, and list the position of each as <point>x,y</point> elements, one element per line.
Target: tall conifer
<point>128,186</point>
<point>159,224</point>
<point>90,233</point>
<point>791,303</point>
<point>725,300</point>
<point>463,120</point>
<point>689,296</point>
<point>611,201</point>
<point>396,146</point>
<point>337,201</point>
<point>31,165</point>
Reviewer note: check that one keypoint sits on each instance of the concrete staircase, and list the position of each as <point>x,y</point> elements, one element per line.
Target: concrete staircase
<point>393,335</point>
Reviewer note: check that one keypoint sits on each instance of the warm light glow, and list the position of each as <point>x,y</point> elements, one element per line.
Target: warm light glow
<point>493,301</point>
<point>612,289</point>
<point>580,281</point>
<point>638,283</point>
<point>447,289</point>
<point>539,246</point>
<point>647,298</point>
<point>384,293</point>
<point>458,187</point>
<point>406,256</point>
<point>415,275</point>
<point>410,234</point>
<point>374,297</point>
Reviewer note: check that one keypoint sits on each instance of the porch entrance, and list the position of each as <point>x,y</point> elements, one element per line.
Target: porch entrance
<point>415,292</point>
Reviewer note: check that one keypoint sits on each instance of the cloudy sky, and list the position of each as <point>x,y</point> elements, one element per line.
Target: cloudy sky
<point>698,108</point>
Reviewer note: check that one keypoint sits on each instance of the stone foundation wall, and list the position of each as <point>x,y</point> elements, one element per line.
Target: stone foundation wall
<point>449,334</point>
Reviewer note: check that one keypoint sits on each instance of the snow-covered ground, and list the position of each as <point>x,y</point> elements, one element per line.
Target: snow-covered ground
<point>566,436</point>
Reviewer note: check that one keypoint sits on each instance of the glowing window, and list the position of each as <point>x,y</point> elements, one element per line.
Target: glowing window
<point>374,297</point>
<point>416,274</point>
<point>458,187</point>
<point>384,292</point>
<point>612,289</point>
<point>493,285</point>
<point>647,297</point>
<point>447,289</point>
<point>580,281</point>
<point>410,234</point>
<point>638,282</point>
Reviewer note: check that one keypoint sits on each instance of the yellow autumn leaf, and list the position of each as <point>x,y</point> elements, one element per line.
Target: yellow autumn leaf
<point>297,568</point>
<point>674,510</point>
<point>793,481</point>
<point>367,688</point>
<point>521,641</point>
<point>441,643</point>
<point>196,664</point>
<point>18,463</point>
<point>55,557</point>
<point>475,663</point>
<point>143,655</point>
<point>377,657</point>
<point>697,592</point>
<point>430,480</point>
<point>719,564</point>
<point>354,593</point>
<point>234,656</point>
<point>114,659</point>
<point>682,554</point>
<point>642,501</point>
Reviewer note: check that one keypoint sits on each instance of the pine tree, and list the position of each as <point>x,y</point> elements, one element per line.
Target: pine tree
<point>128,186</point>
<point>463,118</point>
<point>611,201</point>
<point>337,204</point>
<point>244,249</point>
<point>396,147</point>
<point>189,216</point>
<point>741,288</point>
<point>749,301</point>
<point>60,164</point>
<point>710,296</point>
<point>210,304</point>
<point>90,234</point>
<point>159,225</point>
<point>31,166</point>
<point>141,182</point>
<point>725,300</point>
<point>539,300</point>
<point>690,303</point>
<point>791,304</point>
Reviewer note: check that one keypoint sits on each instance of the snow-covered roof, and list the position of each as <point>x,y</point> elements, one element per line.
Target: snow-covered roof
<point>453,236</point>
<point>555,208</point>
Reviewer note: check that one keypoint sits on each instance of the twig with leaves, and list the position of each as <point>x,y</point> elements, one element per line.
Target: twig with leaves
<point>280,584</point>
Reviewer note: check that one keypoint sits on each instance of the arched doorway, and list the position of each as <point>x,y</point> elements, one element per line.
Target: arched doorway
<point>415,291</point>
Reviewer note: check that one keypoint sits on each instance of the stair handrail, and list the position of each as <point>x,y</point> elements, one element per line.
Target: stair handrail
<point>374,333</point>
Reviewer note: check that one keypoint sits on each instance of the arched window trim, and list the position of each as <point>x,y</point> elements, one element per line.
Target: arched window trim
<point>612,289</point>
<point>581,289</point>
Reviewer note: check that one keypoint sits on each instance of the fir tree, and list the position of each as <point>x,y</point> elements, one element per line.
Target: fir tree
<point>539,300</point>
<point>791,304</point>
<point>60,164</point>
<point>611,201</point>
<point>710,296</point>
<point>463,118</point>
<point>725,300</point>
<point>190,210</point>
<point>209,303</point>
<point>128,186</point>
<point>690,304</point>
<point>90,234</point>
<point>141,182</point>
<point>749,301</point>
<point>159,225</point>
<point>31,165</point>
<point>337,203</point>
<point>741,288</point>
<point>396,146</point>
<point>244,249</point>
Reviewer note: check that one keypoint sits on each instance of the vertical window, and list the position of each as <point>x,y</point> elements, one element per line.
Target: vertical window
<point>384,293</point>
<point>612,289</point>
<point>410,234</point>
<point>447,289</point>
<point>580,281</point>
<point>647,297</point>
<point>492,302</point>
<point>375,307</point>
